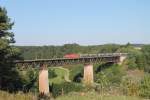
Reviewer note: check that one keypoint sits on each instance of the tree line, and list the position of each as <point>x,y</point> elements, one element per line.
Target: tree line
<point>45,52</point>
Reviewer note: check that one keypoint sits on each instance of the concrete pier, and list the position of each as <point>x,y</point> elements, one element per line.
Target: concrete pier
<point>43,80</point>
<point>121,59</point>
<point>88,74</point>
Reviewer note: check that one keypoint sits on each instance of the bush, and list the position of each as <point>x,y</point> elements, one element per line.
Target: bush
<point>76,73</point>
<point>145,87</point>
<point>111,75</point>
<point>29,79</point>
<point>51,73</point>
<point>64,88</point>
<point>102,79</point>
<point>130,87</point>
<point>131,62</point>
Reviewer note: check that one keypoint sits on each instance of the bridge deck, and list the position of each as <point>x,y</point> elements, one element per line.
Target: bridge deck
<point>83,59</point>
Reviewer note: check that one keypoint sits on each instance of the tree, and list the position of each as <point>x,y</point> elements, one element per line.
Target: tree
<point>146,53</point>
<point>9,79</point>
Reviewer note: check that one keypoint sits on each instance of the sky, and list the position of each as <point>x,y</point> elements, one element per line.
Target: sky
<point>86,22</point>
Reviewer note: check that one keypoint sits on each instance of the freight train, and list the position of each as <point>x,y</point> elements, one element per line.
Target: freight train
<point>73,55</point>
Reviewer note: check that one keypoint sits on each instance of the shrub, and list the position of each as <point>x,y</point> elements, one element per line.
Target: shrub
<point>51,73</point>
<point>145,87</point>
<point>131,62</point>
<point>115,74</point>
<point>130,87</point>
<point>64,88</point>
<point>29,79</point>
<point>102,79</point>
<point>111,75</point>
<point>76,73</point>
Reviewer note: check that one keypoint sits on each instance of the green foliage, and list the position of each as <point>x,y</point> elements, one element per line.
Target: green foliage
<point>146,54</point>
<point>17,96</point>
<point>29,80</point>
<point>141,61</point>
<point>115,74</point>
<point>135,59</point>
<point>45,52</point>
<point>96,96</point>
<point>9,79</point>
<point>130,87</point>
<point>112,74</point>
<point>145,87</point>
<point>131,62</point>
<point>102,79</point>
<point>51,73</point>
<point>70,96</point>
<point>108,48</point>
<point>76,73</point>
<point>64,88</point>
<point>62,75</point>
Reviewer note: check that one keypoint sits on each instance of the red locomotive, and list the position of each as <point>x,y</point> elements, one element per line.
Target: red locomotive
<point>72,56</point>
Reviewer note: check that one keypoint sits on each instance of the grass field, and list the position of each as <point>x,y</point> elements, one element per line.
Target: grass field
<point>70,96</point>
<point>18,96</point>
<point>95,96</point>
<point>62,75</point>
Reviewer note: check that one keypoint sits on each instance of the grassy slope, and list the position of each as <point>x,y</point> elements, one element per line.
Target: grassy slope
<point>70,96</point>
<point>62,75</point>
<point>18,96</point>
<point>95,96</point>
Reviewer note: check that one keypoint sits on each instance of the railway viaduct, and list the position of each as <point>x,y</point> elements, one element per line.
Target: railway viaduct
<point>86,59</point>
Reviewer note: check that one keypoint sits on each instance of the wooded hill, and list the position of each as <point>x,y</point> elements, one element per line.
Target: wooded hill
<point>39,52</point>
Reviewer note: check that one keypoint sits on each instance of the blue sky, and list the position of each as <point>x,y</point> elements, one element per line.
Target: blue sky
<point>86,22</point>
